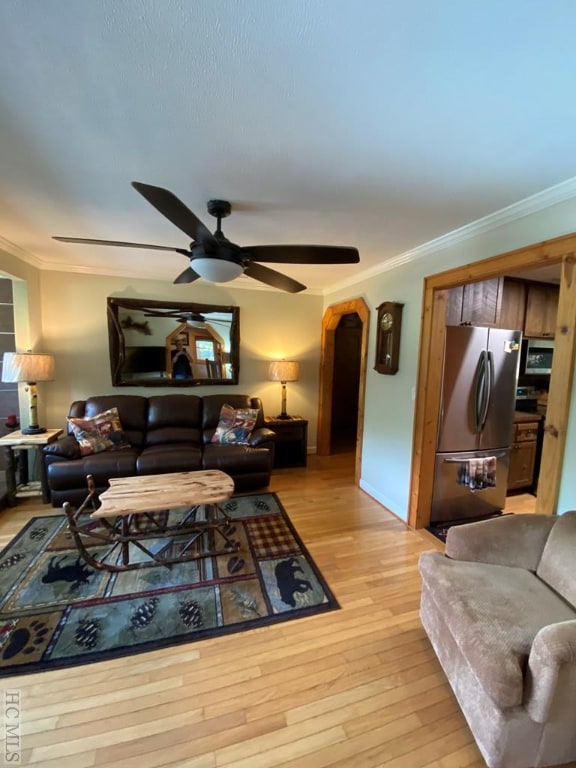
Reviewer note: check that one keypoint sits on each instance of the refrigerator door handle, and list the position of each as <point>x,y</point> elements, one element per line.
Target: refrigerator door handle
<point>479,391</point>
<point>489,367</point>
<point>496,454</point>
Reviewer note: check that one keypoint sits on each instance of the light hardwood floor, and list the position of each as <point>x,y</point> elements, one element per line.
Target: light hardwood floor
<point>355,687</point>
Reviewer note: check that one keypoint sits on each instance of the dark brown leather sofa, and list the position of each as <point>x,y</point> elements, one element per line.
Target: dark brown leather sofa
<point>167,433</point>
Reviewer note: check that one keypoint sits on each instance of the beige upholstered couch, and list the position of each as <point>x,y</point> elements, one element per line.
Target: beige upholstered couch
<point>499,609</point>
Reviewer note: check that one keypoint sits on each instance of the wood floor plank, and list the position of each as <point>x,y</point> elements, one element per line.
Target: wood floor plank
<point>355,687</point>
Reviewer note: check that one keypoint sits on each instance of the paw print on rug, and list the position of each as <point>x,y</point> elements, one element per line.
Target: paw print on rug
<point>262,505</point>
<point>231,506</point>
<point>26,640</point>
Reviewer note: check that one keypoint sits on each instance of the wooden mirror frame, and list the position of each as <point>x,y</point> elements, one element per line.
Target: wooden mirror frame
<point>159,356</point>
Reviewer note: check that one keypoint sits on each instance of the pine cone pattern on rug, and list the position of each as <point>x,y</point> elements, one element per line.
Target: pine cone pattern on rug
<point>87,633</point>
<point>38,534</point>
<point>144,614</point>
<point>191,614</point>
<point>12,560</point>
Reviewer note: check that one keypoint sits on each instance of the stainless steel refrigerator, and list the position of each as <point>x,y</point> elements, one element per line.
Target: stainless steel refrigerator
<point>476,422</point>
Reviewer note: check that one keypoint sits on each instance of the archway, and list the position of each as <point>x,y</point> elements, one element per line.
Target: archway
<point>330,322</point>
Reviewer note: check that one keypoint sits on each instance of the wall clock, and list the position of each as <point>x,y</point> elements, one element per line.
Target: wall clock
<point>388,337</point>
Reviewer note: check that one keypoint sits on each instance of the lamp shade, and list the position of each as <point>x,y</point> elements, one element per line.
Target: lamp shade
<point>217,270</point>
<point>283,370</point>
<point>27,366</point>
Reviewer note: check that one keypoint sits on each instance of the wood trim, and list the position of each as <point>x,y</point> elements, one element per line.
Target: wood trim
<point>549,252</point>
<point>330,321</point>
<point>557,410</point>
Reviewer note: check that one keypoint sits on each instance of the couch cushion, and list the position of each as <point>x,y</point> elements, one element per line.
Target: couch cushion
<point>494,612</point>
<point>174,419</point>
<point>63,475</point>
<point>180,457</point>
<point>556,566</point>
<point>132,409</point>
<point>236,459</point>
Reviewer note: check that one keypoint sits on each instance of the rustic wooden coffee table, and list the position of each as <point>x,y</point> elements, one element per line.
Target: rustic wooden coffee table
<point>136,511</point>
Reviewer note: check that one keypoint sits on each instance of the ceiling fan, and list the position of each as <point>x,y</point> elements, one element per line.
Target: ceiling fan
<point>190,318</point>
<point>215,258</point>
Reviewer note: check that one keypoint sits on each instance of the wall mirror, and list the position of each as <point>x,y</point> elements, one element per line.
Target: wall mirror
<point>175,344</point>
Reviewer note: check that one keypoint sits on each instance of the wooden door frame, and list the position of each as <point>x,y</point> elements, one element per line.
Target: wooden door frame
<point>330,320</point>
<point>560,250</point>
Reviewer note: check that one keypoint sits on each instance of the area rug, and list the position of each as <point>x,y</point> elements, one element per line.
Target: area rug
<point>56,611</point>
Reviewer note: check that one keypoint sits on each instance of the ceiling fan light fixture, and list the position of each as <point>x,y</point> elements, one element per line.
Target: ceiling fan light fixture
<point>217,270</point>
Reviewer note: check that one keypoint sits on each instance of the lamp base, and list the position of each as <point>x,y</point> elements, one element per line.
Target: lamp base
<point>283,416</point>
<point>33,430</point>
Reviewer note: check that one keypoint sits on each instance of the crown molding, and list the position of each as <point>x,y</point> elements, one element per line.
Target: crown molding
<point>21,253</point>
<point>566,190</point>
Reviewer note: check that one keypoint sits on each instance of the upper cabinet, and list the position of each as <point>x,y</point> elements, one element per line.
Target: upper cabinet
<point>541,310</point>
<point>513,308</point>
<point>505,302</point>
<point>475,303</point>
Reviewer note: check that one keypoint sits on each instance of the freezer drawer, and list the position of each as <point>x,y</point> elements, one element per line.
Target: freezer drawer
<point>453,501</point>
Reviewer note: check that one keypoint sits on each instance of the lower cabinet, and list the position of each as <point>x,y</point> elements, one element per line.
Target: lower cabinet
<point>523,456</point>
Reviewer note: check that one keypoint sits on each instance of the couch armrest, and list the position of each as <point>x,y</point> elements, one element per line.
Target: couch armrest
<point>261,435</point>
<point>551,674</point>
<point>66,447</point>
<point>513,540</point>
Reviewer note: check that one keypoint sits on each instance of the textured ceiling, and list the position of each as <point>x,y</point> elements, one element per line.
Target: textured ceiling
<point>370,123</point>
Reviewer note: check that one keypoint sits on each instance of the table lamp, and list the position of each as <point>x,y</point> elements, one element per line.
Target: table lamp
<point>283,371</point>
<point>29,367</point>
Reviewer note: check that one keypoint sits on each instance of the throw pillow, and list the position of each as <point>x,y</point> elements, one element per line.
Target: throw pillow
<point>102,432</point>
<point>235,425</point>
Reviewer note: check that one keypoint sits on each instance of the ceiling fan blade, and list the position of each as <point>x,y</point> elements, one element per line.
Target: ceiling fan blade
<point>188,276</point>
<point>175,210</point>
<point>302,254</point>
<point>273,278</point>
<point>120,243</point>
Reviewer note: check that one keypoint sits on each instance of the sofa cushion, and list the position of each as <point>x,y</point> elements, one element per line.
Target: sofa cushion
<point>63,475</point>
<point>235,425</point>
<point>556,566</point>
<point>494,612</point>
<point>179,457</point>
<point>102,432</point>
<point>174,419</point>
<point>236,459</point>
<point>133,410</point>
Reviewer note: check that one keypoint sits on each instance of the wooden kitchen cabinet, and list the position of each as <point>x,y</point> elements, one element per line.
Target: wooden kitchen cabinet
<point>475,303</point>
<point>541,310</point>
<point>513,307</point>
<point>523,455</point>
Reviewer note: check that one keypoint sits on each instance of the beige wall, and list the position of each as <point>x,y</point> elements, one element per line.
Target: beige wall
<point>272,325</point>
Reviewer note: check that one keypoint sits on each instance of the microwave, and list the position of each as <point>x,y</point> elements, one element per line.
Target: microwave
<point>538,357</point>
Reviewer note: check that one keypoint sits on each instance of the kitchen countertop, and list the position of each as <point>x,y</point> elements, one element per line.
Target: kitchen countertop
<point>523,417</point>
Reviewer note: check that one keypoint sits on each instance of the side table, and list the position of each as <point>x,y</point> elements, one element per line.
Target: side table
<point>291,448</point>
<point>17,441</point>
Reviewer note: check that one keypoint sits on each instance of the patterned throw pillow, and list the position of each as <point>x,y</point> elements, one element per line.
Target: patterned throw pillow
<point>102,432</point>
<point>235,425</point>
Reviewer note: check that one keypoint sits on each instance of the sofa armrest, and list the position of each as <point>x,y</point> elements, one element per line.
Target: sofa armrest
<point>513,540</point>
<point>261,435</point>
<point>66,447</point>
<point>551,674</point>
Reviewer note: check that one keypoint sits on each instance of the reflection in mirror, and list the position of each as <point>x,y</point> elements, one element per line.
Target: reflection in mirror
<point>158,344</point>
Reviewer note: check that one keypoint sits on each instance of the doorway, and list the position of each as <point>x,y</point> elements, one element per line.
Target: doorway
<point>346,384</point>
<point>558,251</point>
<point>344,336</point>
